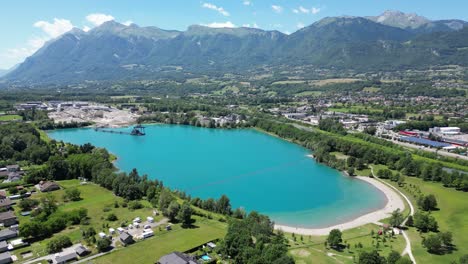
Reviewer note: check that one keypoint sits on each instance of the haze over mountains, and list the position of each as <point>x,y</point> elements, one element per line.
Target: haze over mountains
<point>114,51</point>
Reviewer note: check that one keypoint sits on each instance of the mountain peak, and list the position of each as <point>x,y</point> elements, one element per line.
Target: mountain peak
<point>399,19</point>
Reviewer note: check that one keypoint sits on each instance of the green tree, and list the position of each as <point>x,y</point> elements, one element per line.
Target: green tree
<point>72,194</point>
<point>185,214</point>
<point>464,259</point>
<point>428,202</point>
<point>165,198</point>
<point>372,257</point>
<point>112,217</point>
<point>334,238</point>
<point>102,244</point>
<point>172,210</point>
<point>433,243</point>
<point>404,260</point>
<point>223,205</point>
<point>57,244</point>
<point>396,218</point>
<point>393,257</point>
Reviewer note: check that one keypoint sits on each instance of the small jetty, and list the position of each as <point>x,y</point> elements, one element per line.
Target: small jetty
<point>138,130</point>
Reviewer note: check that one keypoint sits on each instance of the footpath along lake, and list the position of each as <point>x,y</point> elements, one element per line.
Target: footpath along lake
<point>255,170</point>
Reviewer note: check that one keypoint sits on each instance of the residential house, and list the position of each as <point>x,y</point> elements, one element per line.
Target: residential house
<point>5,203</point>
<point>62,259</point>
<point>126,238</point>
<point>7,233</point>
<point>14,177</point>
<point>5,258</point>
<point>13,168</point>
<point>81,251</point>
<point>8,218</point>
<point>48,186</point>
<point>177,258</point>
<point>3,246</point>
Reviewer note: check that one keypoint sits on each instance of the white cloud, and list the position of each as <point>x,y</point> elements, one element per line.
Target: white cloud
<point>277,8</point>
<point>247,2</point>
<point>303,10</point>
<point>56,28</point>
<point>300,25</point>
<point>216,8</point>
<point>254,25</point>
<point>227,24</point>
<point>128,23</point>
<point>97,18</point>
<point>86,28</point>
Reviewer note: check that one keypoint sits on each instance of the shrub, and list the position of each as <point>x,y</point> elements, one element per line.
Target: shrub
<point>111,217</point>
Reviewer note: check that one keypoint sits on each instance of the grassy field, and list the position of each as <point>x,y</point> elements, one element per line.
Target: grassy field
<point>335,80</point>
<point>452,216</point>
<point>10,117</point>
<point>371,89</point>
<point>309,93</point>
<point>312,249</point>
<point>99,202</point>
<point>150,250</point>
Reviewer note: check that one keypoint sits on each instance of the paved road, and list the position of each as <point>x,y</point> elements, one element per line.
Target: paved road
<point>407,249</point>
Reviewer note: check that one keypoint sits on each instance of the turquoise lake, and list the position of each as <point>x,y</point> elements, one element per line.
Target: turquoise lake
<point>255,170</point>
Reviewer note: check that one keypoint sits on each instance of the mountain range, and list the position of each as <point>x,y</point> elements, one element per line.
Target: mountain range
<point>113,51</point>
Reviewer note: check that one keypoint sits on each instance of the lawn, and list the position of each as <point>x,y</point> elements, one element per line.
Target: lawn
<point>99,202</point>
<point>150,250</point>
<point>312,249</point>
<point>452,216</point>
<point>10,117</point>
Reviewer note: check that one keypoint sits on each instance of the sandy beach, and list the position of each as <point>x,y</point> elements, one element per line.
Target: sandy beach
<point>394,201</point>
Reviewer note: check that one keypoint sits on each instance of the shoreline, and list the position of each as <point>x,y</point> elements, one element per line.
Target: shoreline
<point>394,201</point>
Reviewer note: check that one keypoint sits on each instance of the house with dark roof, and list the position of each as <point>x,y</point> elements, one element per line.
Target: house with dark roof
<point>48,186</point>
<point>176,258</point>
<point>5,203</point>
<point>7,234</point>
<point>14,177</point>
<point>3,246</point>
<point>62,259</point>
<point>5,258</point>
<point>126,238</point>
<point>13,168</point>
<point>8,218</point>
<point>81,250</point>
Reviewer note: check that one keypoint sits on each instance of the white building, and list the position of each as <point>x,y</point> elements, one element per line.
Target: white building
<point>445,130</point>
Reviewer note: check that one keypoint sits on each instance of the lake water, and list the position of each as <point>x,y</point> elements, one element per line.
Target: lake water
<point>255,170</point>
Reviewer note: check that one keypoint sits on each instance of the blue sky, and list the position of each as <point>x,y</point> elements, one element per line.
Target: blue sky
<point>26,24</point>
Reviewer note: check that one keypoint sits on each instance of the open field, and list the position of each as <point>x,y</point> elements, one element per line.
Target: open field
<point>10,117</point>
<point>312,249</point>
<point>452,216</point>
<point>150,250</point>
<point>309,93</point>
<point>99,202</point>
<point>290,82</point>
<point>371,89</point>
<point>332,81</point>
